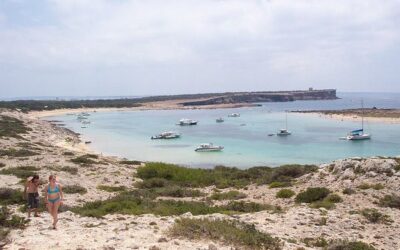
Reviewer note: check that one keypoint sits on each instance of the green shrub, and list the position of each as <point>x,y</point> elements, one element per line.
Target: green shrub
<point>12,152</point>
<point>374,216</point>
<point>10,196</point>
<point>312,194</point>
<point>3,234</point>
<point>2,165</point>
<point>111,188</point>
<point>153,183</point>
<point>247,207</point>
<point>365,186</point>
<point>74,189</point>
<point>334,198</point>
<point>285,193</point>
<point>176,191</point>
<point>349,191</point>
<point>85,159</point>
<point>138,202</point>
<point>220,176</point>
<point>315,242</point>
<point>349,245</point>
<point>230,195</point>
<point>68,153</point>
<point>322,204</point>
<point>8,220</point>
<point>229,232</point>
<point>130,162</point>
<point>392,201</point>
<point>71,170</point>
<point>12,127</point>
<point>278,184</point>
<point>20,172</point>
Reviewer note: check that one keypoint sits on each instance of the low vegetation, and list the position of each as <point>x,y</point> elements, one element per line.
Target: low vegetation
<point>315,242</point>
<point>21,172</point>
<point>377,186</point>
<point>312,194</point>
<point>220,176</point>
<point>12,127</point>
<point>9,221</point>
<point>111,188</point>
<point>348,245</point>
<point>12,152</point>
<point>285,193</point>
<point>374,216</point>
<point>138,202</point>
<point>68,169</point>
<point>391,200</point>
<point>229,232</point>
<point>74,189</point>
<point>319,197</point>
<point>2,165</point>
<point>348,191</point>
<point>85,159</point>
<point>278,184</point>
<point>230,195</point>
<point>130,162</point>
<point>9,196</point>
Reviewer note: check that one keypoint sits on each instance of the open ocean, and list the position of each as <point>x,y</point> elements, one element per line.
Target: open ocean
<point>314,139</point>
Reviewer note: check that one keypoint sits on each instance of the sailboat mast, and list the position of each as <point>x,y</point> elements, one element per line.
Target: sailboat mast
<point>362,114</point>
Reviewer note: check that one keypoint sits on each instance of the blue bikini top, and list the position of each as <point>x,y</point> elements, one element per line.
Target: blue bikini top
<point>56,190</point>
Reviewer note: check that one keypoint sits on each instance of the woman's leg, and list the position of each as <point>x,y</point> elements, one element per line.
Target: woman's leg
<point>50,209</point>
<point>55,213</point>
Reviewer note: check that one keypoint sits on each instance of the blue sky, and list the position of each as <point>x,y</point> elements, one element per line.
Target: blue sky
<point>130,47</point>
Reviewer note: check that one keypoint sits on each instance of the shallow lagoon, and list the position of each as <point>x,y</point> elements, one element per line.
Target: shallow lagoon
<point>245,138</point>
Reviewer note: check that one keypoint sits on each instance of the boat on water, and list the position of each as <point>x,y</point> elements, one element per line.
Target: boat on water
<point>358,134</point>
<point>234,115</point>
<point>85,122</point>
<point>219,120</point>
<point>186,122</point>
<point>166,135</point>
<point>208,147</point>
<point>284,131</point>
<point>88,142</point>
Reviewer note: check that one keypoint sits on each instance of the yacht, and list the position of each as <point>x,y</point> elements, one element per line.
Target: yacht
<point>234,115</point>
<point>208,147</point>
<point>220,120</point>
<point>184,122</point>
<point>358,134</point>
<point>166,135</point>
<point>284,131</point>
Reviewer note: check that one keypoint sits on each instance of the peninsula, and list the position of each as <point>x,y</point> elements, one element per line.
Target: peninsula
<point>207,100</point>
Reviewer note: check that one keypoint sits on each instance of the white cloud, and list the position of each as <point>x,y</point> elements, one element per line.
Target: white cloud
<point>299,38</point>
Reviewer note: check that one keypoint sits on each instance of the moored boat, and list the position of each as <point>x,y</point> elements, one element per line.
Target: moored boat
<point>208,147</point>
<point>166,135</point>
<point>185,122</point>
<point>234,115</point>
<point>219,120</point>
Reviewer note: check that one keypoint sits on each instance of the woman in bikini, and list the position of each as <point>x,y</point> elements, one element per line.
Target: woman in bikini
<point>54,198</point>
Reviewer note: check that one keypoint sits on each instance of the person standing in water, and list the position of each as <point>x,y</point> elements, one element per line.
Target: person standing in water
<point>54,198</point>
<point>31,193</point>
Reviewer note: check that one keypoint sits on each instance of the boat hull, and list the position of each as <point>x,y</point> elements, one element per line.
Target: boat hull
<point>359,137</point>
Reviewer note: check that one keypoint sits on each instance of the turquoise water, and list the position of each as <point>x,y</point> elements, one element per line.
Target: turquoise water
<point>313,140</point>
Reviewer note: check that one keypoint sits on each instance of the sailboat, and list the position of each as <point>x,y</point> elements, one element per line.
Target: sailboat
<point>284,131</point>
<point>359,134</point>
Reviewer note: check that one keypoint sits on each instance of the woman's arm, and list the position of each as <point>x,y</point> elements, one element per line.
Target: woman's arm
<point>61,193</point>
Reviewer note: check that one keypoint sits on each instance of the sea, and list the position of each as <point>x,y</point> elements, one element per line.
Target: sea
<point>246,139</point>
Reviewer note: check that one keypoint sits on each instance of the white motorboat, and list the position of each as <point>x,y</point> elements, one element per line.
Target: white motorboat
<point>219,120</point>
<point>166,135</point>
<point>208,147</point>
<point>185,122</point>
<point>234,115</point>
<point>358,134</point>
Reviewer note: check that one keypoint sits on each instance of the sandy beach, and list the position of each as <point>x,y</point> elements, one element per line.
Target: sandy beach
<point>296,222</point>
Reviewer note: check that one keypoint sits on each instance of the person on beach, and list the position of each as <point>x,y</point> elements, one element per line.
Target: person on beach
<point>54,198</point>
<point>32,195</point>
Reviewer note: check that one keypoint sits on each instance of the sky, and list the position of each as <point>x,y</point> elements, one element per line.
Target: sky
<point>152,47</point>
